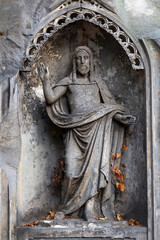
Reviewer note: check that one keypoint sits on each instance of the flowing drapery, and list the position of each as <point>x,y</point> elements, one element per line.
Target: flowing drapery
<point>91,138</point>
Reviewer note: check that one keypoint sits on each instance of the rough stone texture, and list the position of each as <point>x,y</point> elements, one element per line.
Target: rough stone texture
<point>142,17</point>
<point>18,20</point>
<point>154,52</point>
<point>76,229</point>
<point>41,150</point>
<point>4,230</point>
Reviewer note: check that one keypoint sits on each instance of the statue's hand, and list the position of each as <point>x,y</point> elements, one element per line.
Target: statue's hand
<point>43,72</point>
<point>127,119</point>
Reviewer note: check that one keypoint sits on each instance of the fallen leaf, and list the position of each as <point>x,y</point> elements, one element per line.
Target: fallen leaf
<point>133,222</point>
<point>120,186</point>
<point>118,217</point>
<point>113,156</point>
<point>125,147</point>
<point>68,217</point>
<point>130,132</point>
<point>118,155</point>
<point>118,172</point>
<point>123,165</point>
<point>120,178</point>
<point>51,215</point>
<point>30,224</point>
<point>101,218</point>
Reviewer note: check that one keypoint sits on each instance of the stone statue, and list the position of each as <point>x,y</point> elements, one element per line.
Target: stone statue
<point>94,125</point>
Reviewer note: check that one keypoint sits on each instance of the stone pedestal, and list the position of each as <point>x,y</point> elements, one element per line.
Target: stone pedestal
<point>3,206</point>
<point>79,229</point>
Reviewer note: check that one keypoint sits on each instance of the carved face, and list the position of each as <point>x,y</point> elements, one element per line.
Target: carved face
<point>83,62</point>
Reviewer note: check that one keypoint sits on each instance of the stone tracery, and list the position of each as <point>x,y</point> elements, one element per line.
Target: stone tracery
<point>86,15</point>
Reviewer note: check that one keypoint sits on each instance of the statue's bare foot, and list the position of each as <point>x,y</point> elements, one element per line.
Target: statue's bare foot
<point>59,215</point>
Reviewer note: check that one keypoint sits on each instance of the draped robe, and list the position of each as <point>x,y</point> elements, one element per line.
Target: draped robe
<point>91,138</point>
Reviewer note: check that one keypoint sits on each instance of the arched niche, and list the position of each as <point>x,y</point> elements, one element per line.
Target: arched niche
<point>42,141</point>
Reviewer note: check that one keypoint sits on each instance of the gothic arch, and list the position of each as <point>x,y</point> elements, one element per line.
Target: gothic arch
<point>95,14</point>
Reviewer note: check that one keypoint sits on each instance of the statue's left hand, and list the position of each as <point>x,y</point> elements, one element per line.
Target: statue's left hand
<point>127,119</point>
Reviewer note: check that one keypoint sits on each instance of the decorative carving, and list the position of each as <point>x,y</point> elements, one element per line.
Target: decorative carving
<point>81,2</point>
<point>94,129</point>
<point>90,16</point>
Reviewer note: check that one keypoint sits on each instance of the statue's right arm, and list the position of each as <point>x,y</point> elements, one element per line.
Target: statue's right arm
<point>52,95</point>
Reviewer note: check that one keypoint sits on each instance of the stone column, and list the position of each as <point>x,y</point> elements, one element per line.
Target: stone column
<point>3,206</point>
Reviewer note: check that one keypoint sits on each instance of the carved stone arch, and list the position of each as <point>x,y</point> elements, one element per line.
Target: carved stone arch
<point>94,14</point>
<point>137,51</point>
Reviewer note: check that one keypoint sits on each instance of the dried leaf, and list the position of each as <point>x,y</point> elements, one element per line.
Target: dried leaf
<point>120,186</point>
<point>125,147</point>
<point>113,156</point>
<point>115,167</point>
<point>130,132</point>
<point>68,217</point>
<point>123,165</point>
<point>118,217</point>
<point>118,155</point>
<point>100,218</point>
<point>31,224</point>
<point>103,218</point>
<point>133,222</point>
<point>120,178</point>
<point>51,214</point>
<point>118,172</point>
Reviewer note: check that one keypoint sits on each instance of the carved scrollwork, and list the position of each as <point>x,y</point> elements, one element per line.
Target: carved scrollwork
<point>90,16</point>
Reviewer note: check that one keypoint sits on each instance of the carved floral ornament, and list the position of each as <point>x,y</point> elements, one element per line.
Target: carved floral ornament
<point>90,16</point>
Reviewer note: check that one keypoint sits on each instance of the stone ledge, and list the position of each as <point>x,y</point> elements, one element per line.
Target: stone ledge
<point>79,229</point>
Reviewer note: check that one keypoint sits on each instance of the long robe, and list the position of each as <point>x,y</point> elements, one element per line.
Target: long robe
<point>91,138</point>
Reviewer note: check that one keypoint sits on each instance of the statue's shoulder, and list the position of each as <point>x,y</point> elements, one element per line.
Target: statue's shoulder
<point>64,82</point>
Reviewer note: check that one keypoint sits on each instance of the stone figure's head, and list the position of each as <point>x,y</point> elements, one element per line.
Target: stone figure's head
<point>82,62</point>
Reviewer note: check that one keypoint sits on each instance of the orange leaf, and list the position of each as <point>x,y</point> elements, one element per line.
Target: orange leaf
<point>118,217</point>
<point>133,222</point>
<point>125,147</point>
<point>118,172</point>
<point>102,218</point>
<point>113,156</point>
<point>118,155</point>
<point>31,224</point>
<point>120,186</point>
<point>120,178</point>
<point>130,132</point>
<point>48,217</point>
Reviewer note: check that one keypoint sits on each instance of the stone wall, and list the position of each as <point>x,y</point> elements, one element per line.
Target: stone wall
<point>30,144</point>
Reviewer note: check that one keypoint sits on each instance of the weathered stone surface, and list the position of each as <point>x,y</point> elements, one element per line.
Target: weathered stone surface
<point>22,18</point>
<point>4,207</point>
<point>44,149</point>
<point>142,17</point>
<point>78,229</point>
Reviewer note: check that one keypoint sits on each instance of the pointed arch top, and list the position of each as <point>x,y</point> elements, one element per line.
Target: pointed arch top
<point>90,11</point>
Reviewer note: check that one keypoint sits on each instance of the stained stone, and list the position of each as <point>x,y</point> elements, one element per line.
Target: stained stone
<point>79,229</point>
<point>3,206</point>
